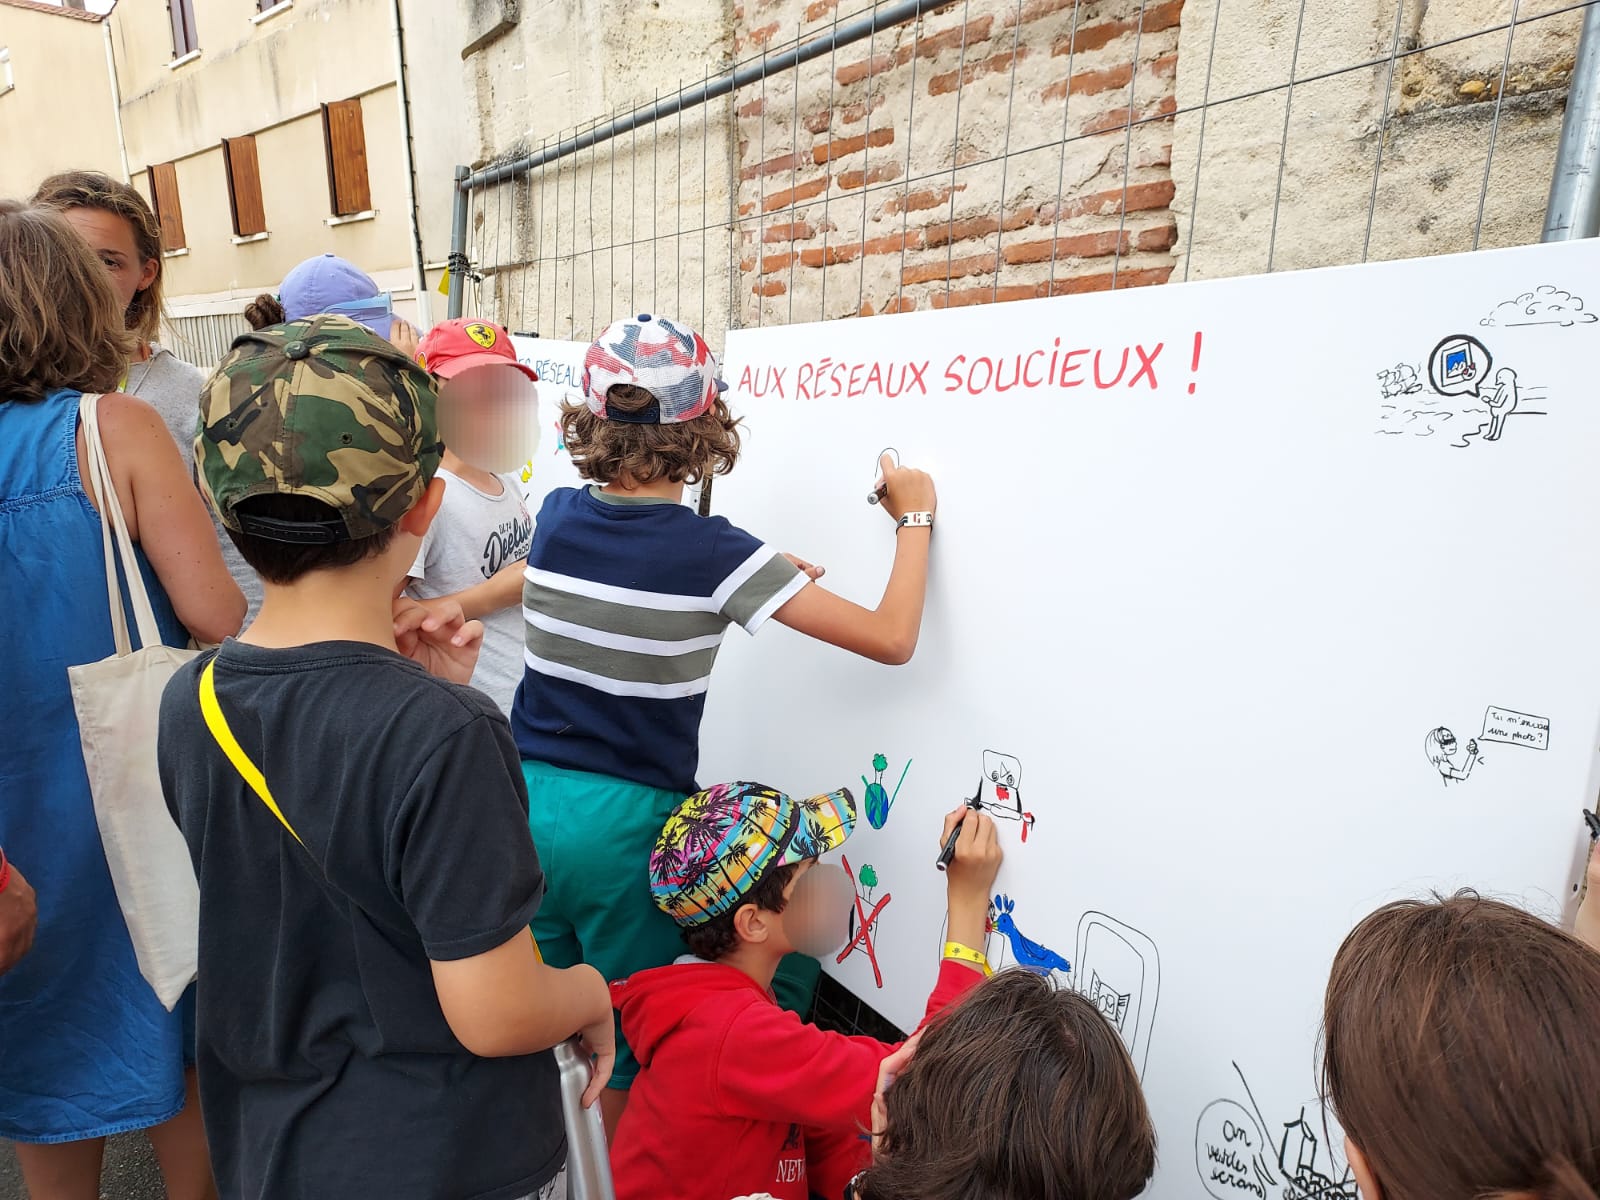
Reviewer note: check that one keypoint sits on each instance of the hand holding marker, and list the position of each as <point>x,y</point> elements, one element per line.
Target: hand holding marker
<point>880,487</point>
<point>947,852</point>
<point>905,493</point>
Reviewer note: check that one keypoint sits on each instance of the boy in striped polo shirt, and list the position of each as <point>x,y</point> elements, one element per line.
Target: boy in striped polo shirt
<point>626,599</point>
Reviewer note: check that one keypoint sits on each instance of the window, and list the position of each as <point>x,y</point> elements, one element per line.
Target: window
<point>184,39</point>
<point>164,199</point>
<point>244,185</point>
<point>347,157</point>
<point>6,82</point>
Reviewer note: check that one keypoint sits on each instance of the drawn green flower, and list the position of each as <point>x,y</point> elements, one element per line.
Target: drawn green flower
<point>880,763</point>
<point>869,876</point>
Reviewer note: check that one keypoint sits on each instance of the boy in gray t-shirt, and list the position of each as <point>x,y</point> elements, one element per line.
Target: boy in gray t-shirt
<point>477,546</point>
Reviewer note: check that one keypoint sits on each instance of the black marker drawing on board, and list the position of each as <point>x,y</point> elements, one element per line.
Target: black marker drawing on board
<point>1000,791</point>
<point>1119,971</point>
<point>1402,379</point>
<point>1545,305</point>
<point>1466,395</point>
<point>1239,1159</point>
<point>1503,725</point>
<point>1440,747</point>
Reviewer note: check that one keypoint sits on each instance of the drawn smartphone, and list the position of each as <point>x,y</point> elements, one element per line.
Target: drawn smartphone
<point>1119,971</point>
<point>1457,359</point>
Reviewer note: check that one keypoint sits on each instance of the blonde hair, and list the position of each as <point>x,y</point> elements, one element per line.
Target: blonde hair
<point>59,321</point>
<point>91,189</point>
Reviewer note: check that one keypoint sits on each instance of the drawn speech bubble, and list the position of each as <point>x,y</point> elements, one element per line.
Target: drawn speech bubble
<point>1228,1145</point>
<point>1459,365</point>
<point>1516,729</point>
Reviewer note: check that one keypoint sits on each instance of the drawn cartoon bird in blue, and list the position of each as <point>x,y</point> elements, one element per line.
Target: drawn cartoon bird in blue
<point>1028,953</point>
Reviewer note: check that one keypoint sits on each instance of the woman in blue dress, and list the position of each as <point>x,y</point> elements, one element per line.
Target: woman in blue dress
<point>86,1049</point>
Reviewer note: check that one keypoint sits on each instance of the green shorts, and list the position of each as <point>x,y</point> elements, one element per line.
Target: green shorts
<point>594,834</point>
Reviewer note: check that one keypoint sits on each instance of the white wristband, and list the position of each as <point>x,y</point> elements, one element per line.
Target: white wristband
<point>915,519</point>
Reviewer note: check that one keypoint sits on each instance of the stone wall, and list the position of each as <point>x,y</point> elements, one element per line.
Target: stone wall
<point>1437,106</point>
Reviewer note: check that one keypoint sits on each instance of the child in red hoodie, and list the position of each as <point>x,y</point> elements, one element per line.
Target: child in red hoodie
<point>736,1095</point>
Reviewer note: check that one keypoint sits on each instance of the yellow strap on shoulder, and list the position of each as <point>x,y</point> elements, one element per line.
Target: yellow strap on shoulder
<point>218,724</point>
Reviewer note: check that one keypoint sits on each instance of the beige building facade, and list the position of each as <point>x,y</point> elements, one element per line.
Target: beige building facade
<point>44,126</point>
<point>263,133</point>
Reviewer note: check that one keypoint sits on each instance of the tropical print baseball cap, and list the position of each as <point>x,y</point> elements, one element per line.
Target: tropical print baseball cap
<point>461,343</point>
<point>719,843</point>
<point>670,361</point>
<point>323,408</point>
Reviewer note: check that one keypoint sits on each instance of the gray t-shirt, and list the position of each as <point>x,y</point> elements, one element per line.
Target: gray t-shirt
<point>172,387</point>
<point>474,535</point>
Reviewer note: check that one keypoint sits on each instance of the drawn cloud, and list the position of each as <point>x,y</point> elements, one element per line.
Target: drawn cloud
<point>1545,305</point>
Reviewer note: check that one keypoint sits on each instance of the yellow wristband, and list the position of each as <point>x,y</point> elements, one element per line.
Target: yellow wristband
<point>967,954</point>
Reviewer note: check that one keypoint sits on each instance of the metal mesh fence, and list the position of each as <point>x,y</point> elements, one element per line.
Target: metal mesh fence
<point>907,156</point>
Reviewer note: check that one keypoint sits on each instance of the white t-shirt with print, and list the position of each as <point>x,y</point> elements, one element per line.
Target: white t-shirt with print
<point>474,535</point>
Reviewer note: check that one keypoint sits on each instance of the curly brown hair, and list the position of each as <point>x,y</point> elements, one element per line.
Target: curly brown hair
<point>60,323</point>
<point>622,452</point>
<point>91,189</point>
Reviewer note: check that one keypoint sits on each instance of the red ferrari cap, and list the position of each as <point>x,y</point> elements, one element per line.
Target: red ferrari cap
<point>462,343</point>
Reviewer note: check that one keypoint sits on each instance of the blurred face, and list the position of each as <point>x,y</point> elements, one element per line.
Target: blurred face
<point>489,418</point>
<point>816,911</point>
<point>111,238</point>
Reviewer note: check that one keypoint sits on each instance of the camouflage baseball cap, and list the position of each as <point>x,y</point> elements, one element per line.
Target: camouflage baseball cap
<point>323,408</point>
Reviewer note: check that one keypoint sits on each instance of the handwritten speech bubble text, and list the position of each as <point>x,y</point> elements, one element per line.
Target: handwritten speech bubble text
<point>1516,729</point>
<point>1228,1145</point>
<point>1459,366</point>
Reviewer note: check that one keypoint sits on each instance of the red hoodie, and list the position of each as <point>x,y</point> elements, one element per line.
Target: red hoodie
<point>737,1096</point>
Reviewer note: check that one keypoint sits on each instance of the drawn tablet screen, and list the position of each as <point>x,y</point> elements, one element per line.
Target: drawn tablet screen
<point>1119,971</point>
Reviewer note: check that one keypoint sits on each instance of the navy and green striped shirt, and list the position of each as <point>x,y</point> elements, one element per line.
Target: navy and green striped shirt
<point>624,605</point>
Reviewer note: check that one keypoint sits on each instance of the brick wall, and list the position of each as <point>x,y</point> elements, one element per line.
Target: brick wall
<point>921,169</point>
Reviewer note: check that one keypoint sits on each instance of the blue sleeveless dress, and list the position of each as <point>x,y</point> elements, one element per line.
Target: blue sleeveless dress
<point>86,1049</point>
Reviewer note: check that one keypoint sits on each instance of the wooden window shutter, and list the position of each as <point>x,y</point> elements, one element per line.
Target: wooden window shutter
<point>347,157</point>
<point>244,185</point>
<point>184,39</point>
<point>164,197</point>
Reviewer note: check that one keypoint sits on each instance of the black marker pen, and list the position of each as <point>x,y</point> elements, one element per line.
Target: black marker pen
<point>947,852</point>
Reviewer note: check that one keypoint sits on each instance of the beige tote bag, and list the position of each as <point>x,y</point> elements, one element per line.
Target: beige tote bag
<point>118,701</point>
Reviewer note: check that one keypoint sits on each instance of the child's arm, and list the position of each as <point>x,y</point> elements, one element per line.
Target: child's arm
<point>888,633</point>
<point>459,856</point>
<point>969,879</point>
<point>506,1002</point>
<point>501,590</point>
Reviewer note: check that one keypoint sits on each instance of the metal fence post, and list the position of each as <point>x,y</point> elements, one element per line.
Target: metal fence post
<point>458,264</point>
<point>1574,207</point>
